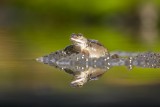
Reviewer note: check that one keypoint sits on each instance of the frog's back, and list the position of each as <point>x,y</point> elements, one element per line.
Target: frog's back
<point>95,42</point>
<point>96,49</point>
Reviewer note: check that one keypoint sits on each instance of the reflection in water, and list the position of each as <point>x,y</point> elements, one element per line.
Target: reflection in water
<point>79,65</point>
<point>85,69</point>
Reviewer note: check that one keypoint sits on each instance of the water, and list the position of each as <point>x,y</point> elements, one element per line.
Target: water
<point>30,29</point>
<point>24,81</point>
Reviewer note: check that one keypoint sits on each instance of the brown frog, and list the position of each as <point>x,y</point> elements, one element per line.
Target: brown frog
<point>91,48</point>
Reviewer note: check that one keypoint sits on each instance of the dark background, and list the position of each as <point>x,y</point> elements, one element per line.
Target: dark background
<point>33,28</point>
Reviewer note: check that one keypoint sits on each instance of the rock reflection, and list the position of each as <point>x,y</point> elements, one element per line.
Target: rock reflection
<point>84,69</point>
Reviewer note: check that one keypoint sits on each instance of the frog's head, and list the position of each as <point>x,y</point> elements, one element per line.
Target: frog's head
<point>79,40</point>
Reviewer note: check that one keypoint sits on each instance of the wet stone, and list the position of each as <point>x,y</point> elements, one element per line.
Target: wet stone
<point>148,60</point>
<point>45,59</point>
<point>129,63</point>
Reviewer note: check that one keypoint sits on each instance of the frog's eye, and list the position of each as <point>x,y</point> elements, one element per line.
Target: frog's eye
<point>79,34</point>
<point>73,35</point>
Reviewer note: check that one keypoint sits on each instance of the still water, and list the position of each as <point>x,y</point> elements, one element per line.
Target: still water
<point>24,81</point>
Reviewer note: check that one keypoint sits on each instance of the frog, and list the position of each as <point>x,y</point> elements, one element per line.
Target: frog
<point>92,49</point>
<point>89,47</point>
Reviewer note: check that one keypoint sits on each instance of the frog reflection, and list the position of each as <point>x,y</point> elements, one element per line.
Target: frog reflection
<point>82,77</point>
